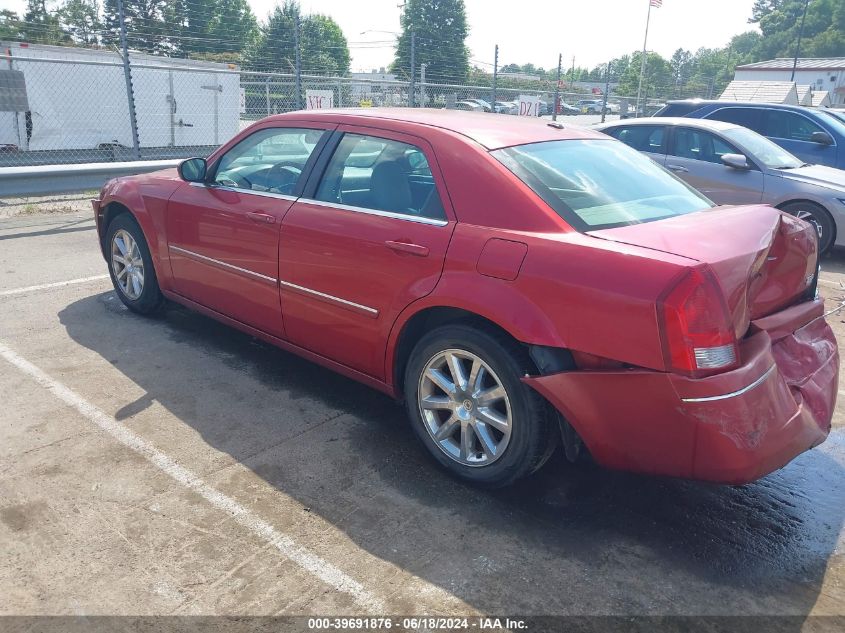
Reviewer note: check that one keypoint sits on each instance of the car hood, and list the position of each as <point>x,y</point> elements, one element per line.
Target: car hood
<point>818,175</point>
<point>764,259</point>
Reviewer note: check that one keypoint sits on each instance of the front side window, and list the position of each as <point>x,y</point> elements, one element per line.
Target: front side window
<point>700,145</point>
<point>746,117</point>
<point>645,138</point>
<point>762,150</point>
<point>383,175</point>
<point>270,160</point>
<point>790,126</point>
<point>597,184</point>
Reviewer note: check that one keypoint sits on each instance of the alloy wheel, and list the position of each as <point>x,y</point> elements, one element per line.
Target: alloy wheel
<point>807,216</point>
<point>465,407</point>
<point>127,264</point>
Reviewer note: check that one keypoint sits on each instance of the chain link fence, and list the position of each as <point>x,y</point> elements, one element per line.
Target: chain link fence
<point>61,105</point>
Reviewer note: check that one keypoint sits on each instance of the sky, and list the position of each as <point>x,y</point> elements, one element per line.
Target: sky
<point>536,31</point>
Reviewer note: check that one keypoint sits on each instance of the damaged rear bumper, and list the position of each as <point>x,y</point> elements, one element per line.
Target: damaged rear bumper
<point>731,428</point>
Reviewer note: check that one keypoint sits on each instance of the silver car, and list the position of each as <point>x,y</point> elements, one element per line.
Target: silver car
<point>734,165</point>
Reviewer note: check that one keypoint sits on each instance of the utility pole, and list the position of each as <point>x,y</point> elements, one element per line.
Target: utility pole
<point>127,74</point>
<point>298,58</point>
<point>800,35</point>
<point>606,90</point>
<point>495,77</point>
<point>643,62</point>
<point>557,88</point>
<point>412,96</point>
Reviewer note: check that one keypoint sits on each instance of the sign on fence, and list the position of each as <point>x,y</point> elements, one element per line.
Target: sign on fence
<point>529,105</point>
<point>319,99</point>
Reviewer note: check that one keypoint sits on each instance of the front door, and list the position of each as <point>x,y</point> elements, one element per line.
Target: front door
<point>223,236</point>
<point>695,156</point>
<point>367,239</point>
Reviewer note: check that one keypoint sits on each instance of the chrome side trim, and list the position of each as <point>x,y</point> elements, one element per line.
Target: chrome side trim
<point>734,394</point>
<point>252,192</point>
<point>382,214</point>
<point>323,295</point>
<point>217,262</point>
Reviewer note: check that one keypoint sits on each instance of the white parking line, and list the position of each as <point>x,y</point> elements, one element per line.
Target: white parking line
<point>58,284</point>
<point>289,548</point>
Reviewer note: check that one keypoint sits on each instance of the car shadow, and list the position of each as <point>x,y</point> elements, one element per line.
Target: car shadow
<point>569,540</point>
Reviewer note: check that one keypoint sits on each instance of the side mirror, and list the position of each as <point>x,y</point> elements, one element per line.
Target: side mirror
<point>193,169</point>
<point>736,161</point>
<point>822,138</point>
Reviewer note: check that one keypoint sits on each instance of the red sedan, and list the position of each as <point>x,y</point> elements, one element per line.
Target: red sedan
<point>520,284</point>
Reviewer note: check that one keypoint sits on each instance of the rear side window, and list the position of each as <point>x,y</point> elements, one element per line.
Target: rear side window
<point>677,109</point>
<point>644,138</point>
<point>789,125</point>
<point>752,118</point>
<point>383,175</point>
<point>599,184</point>
<point>700,145</point>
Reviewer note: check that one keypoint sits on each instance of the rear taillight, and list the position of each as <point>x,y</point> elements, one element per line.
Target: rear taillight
<point>698,339</point>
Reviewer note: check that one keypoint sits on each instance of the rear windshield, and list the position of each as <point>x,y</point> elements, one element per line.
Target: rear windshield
<point>599,184</point>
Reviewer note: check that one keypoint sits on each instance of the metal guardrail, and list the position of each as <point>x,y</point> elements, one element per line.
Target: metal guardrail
<point>48,179</point>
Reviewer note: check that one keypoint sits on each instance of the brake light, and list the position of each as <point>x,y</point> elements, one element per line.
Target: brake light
<point>697,336</point>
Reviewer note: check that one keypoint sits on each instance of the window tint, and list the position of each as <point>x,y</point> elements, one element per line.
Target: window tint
<point>381,174</point>
<point>789,125</point>
<point>746,117</point>
<point>645,138</point>
<point>596,184</point>
<point>700,145</point>
<point>271,160</point>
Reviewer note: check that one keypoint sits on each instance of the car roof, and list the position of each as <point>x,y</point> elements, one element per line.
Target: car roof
<point>493,131</point>
<point>744,104</point>
<point>705,124</point>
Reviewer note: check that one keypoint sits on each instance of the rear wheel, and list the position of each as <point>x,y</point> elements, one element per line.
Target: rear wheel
<point>818,217</point>
<point>470,409</point>
<point>131,266</point>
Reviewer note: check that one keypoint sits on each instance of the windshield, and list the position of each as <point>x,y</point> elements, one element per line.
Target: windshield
<point>598,184</point>
<point>762,149</point>
<point>837,115</point>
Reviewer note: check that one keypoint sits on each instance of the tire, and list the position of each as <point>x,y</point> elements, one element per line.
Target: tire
<point>817,216</point>
<point>134,282</point>
<point>530,438</point>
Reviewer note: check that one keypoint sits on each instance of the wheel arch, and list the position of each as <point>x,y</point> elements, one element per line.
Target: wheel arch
<point>836,228</point>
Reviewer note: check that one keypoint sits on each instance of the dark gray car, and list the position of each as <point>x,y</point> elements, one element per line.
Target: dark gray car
<point>734,165</point>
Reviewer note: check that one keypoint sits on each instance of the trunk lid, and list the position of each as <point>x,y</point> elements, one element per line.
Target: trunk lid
<point>765,260</point>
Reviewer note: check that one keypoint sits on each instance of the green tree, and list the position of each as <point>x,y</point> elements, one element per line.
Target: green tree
<point>440,28</point>
<point>146,24</point>
<point>323,47</point>
<point>780,23</point>
<point>211,29</point>
<point>81,18</point>
<point>10,25</point>
<point>41,25</point>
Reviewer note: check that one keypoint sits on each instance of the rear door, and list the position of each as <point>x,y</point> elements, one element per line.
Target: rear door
<point>695,156</point>
<point>648,139</point>
<point>223,235</point>
<point>368,237</point>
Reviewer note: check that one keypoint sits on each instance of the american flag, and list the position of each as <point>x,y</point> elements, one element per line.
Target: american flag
<point>656,3</point>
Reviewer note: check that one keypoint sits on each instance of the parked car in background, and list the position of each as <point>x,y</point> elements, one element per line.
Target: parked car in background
<point>594,106</point>
<point>470,106</point>
<point>808,133</point>
<point>734,165</point>
<point>507,107</point>
<point>566,109</point>
<point>485,105</point>
<point>518,284</point>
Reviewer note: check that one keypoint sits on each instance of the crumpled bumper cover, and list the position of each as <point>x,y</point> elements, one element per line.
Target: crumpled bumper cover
<point>731,428</point>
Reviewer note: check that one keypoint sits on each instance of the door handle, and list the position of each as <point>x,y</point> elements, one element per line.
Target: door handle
<point>264,218</point>
<point>678,168</point>
<point>407,247</point>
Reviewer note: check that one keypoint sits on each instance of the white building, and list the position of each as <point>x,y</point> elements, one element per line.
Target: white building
<point>76,99</point>
<point>762,91</point>
<point>822,74</point>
